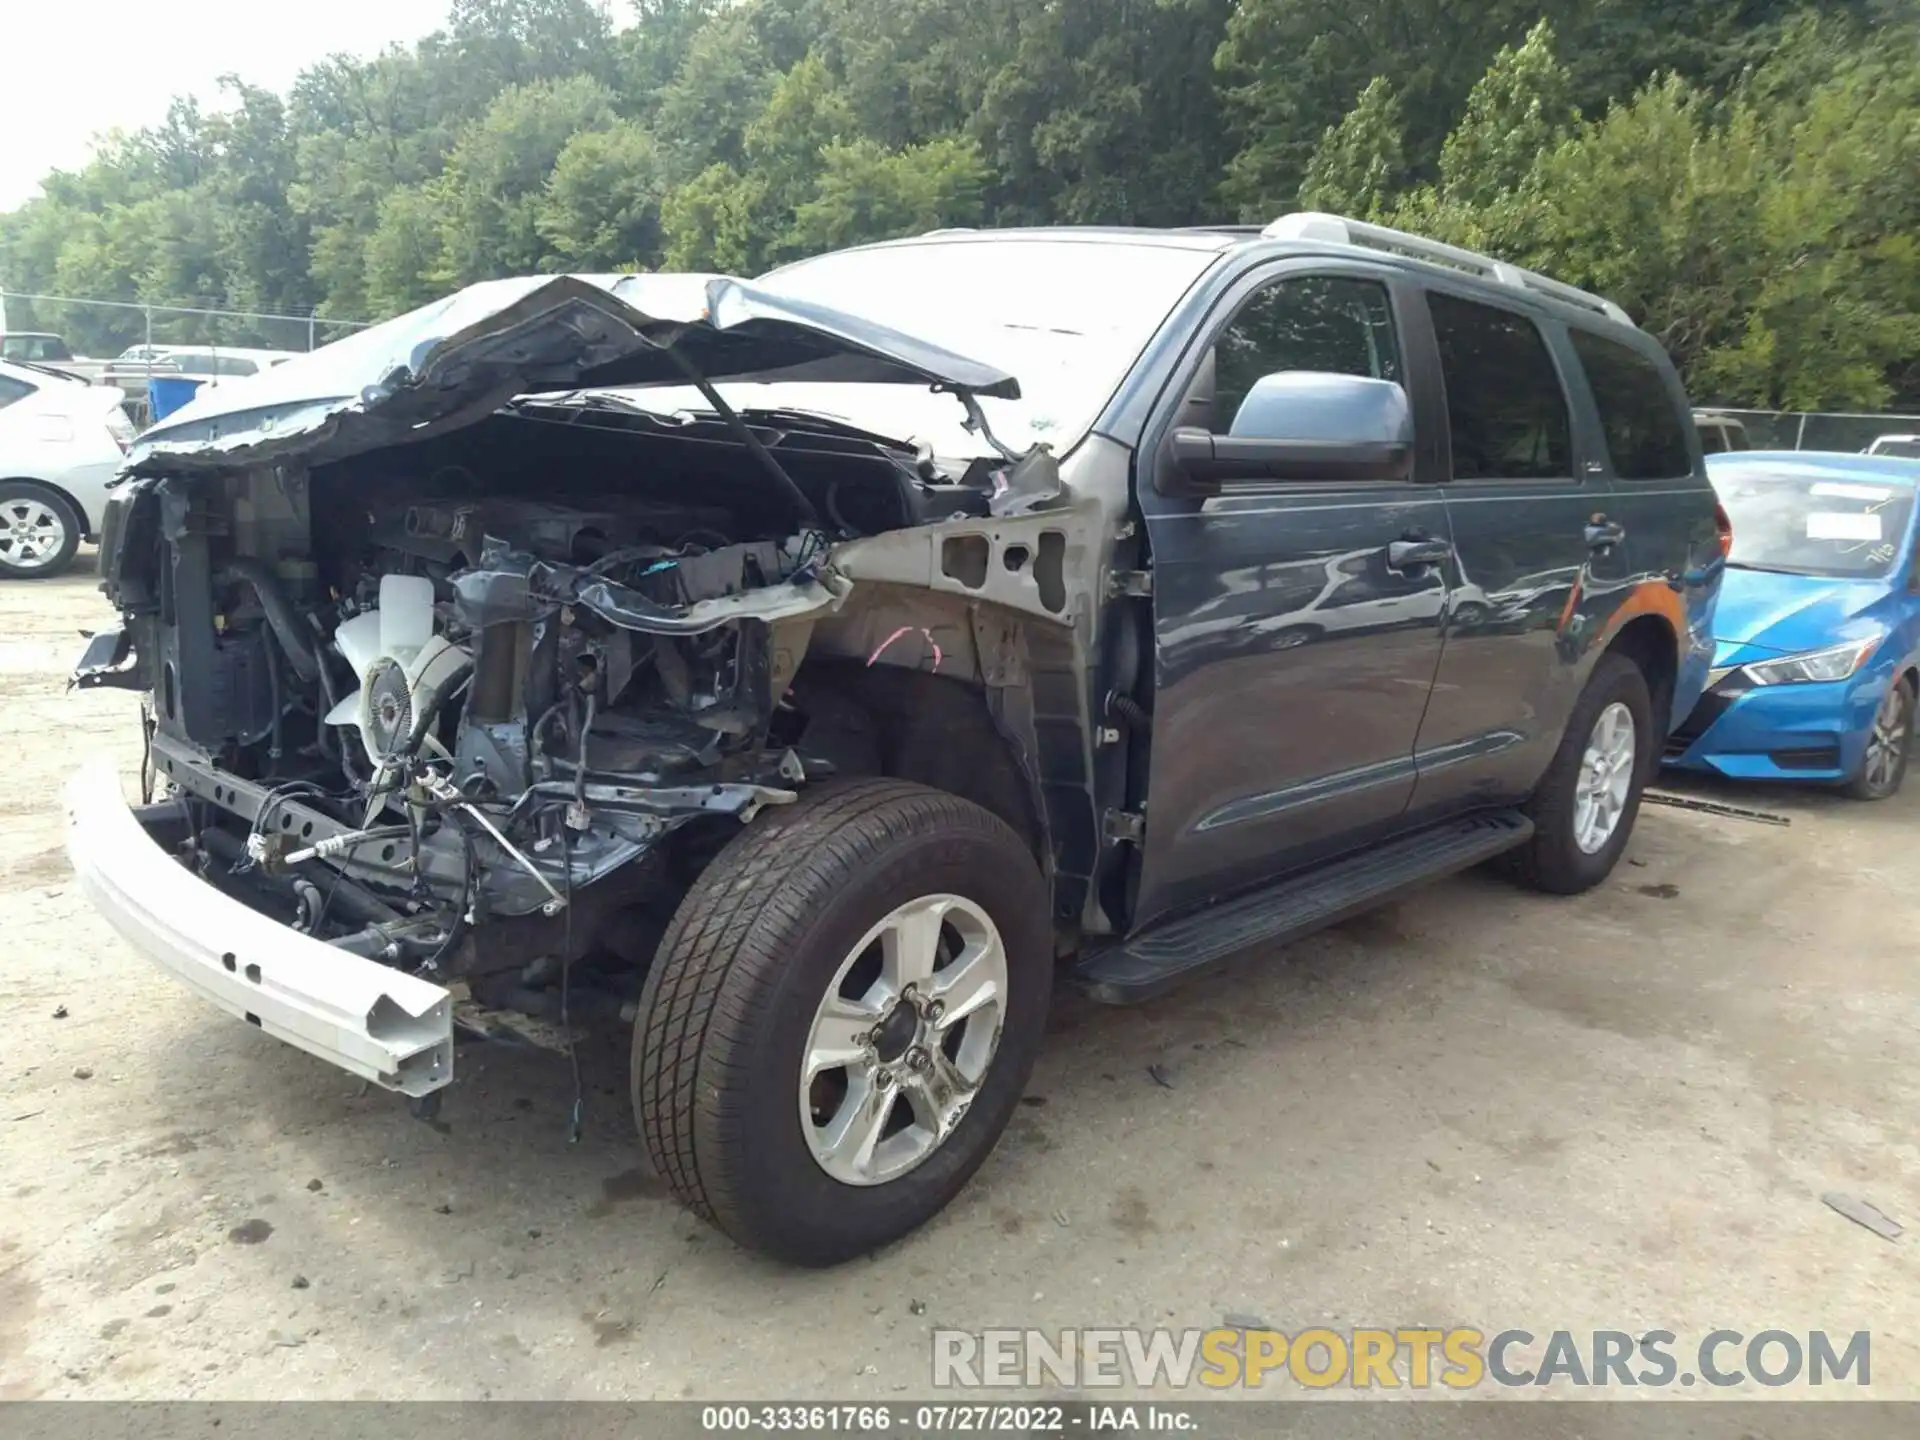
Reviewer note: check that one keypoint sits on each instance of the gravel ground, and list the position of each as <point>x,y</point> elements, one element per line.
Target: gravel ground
<point>1475,1107</point>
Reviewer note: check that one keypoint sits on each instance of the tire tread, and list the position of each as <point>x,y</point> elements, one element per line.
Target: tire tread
<point>1544,862</point>
<point>694,1021</point>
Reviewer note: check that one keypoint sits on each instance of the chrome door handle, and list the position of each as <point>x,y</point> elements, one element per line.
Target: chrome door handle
<point>1604,534</point>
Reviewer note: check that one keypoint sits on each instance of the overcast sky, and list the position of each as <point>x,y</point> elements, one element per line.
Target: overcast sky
<point>76,68</point>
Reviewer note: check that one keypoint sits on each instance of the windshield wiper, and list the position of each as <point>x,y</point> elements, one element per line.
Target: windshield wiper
<point>588,400</point>
<point>605,400</point>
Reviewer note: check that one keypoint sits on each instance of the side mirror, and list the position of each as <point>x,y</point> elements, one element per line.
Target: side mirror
<point>1304,426</point>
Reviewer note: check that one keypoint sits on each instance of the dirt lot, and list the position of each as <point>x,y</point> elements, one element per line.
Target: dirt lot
<point>1477,1107</point>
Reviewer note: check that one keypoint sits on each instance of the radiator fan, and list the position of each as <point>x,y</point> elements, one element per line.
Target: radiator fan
<point>404,668</point>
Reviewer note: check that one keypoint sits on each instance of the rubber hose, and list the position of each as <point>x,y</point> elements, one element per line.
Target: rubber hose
<point>423,722</point>
<point>276,700</point>
<point>322,731</point>
<point>280,615</point>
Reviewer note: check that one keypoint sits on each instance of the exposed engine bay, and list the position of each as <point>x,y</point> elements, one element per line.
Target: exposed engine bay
<point>438,704</point>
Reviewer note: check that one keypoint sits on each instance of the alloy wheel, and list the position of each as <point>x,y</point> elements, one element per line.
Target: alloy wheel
<point>903,1039</point>
<point>1605,779</point>
<point>1887,742</point>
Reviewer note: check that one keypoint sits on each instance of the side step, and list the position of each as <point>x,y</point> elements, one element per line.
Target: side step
<point>1168,955</point>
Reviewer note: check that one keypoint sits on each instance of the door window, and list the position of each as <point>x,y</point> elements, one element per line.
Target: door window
<point>1329,323</point>
<point>1506,411</point>
<point>1645,430</point>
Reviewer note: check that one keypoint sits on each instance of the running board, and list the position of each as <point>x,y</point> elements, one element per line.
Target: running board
<point>1150,964</point>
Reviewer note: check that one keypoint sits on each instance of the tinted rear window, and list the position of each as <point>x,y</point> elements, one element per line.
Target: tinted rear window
<point>1645,430</point>
<point>1507,413</point>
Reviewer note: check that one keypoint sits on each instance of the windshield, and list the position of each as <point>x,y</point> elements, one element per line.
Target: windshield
<point>1805,521</point>
<point>1066,317</point>
<point>1905,446</point>
<point>34,347</point>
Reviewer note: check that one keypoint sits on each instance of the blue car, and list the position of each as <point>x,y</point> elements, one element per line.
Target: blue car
<point>1817,635</point>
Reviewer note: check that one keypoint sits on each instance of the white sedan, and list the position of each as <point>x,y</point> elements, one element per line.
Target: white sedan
<point>61,441</point>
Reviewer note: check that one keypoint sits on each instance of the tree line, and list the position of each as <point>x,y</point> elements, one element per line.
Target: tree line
<point>1739,173</point>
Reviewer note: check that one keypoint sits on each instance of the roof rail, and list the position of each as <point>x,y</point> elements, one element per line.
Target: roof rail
<point>1312,225</point>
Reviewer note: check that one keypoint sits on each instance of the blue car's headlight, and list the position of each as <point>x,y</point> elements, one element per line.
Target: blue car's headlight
<point>1835,663</point>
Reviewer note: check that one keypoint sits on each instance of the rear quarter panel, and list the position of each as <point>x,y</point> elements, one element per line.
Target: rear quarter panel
<point>60,438</point>
<point>1673,541</point>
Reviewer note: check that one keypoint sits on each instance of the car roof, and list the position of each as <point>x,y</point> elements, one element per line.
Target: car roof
<point>1118,235</point>
<point>1253,239</point>
<point>1838,464</point>
<point>241,352</point>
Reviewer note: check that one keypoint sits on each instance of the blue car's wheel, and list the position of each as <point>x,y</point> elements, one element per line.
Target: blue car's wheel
<point>1884,765</point>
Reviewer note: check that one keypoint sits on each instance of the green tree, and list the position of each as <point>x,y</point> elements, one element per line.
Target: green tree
<point>1737,172</point>
<point>601,209</point>
<point>1360,164</point>
<point>1832,312</point>
<point>914,69</point>
<point>1105,112</point>
<point>710,223</point>
<point>402,257</point>
<point>649,53</point>
<point>867,193</point>
<point>720,89</point>
<point>497,44</point>
<point>1520,109</point>
<point>495,180</point>
<point>1290,69</point>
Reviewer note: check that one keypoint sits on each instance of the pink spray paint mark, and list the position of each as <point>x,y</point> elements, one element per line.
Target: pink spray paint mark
<point>881,648</point>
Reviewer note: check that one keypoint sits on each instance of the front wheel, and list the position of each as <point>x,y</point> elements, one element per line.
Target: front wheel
<point>1883,766</point>
<point>842,1016</point>
<point>1584,807</point>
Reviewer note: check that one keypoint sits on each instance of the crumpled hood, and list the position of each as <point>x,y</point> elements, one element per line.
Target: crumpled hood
<point>1761,614</point>
<point>450,363</point>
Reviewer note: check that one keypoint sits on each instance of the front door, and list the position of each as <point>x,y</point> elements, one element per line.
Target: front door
<point>1294,653</point>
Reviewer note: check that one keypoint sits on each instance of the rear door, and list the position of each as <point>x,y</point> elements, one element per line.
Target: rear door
<point>1527,502</point>
<point>1292,660</point>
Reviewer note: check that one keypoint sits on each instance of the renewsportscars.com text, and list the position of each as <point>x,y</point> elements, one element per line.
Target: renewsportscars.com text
<point>1389,1359</point>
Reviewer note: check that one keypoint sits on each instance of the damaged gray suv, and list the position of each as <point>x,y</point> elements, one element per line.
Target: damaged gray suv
<point>815,672</point>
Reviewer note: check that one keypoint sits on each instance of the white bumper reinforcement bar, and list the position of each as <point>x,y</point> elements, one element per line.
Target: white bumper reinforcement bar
<point>373,1021</point>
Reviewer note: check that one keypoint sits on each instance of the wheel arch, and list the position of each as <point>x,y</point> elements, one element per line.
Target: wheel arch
<point>959,696</point>
<point>936,730</point>
<point>1651,643</point>
<point>89,526</point>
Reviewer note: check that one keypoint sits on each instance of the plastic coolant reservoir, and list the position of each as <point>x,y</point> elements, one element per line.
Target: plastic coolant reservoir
<point>406,615</point>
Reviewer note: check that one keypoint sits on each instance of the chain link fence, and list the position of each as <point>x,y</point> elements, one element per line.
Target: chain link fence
<point>106,329</point>
<point>1809,430</point>
<point>130,344</point>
